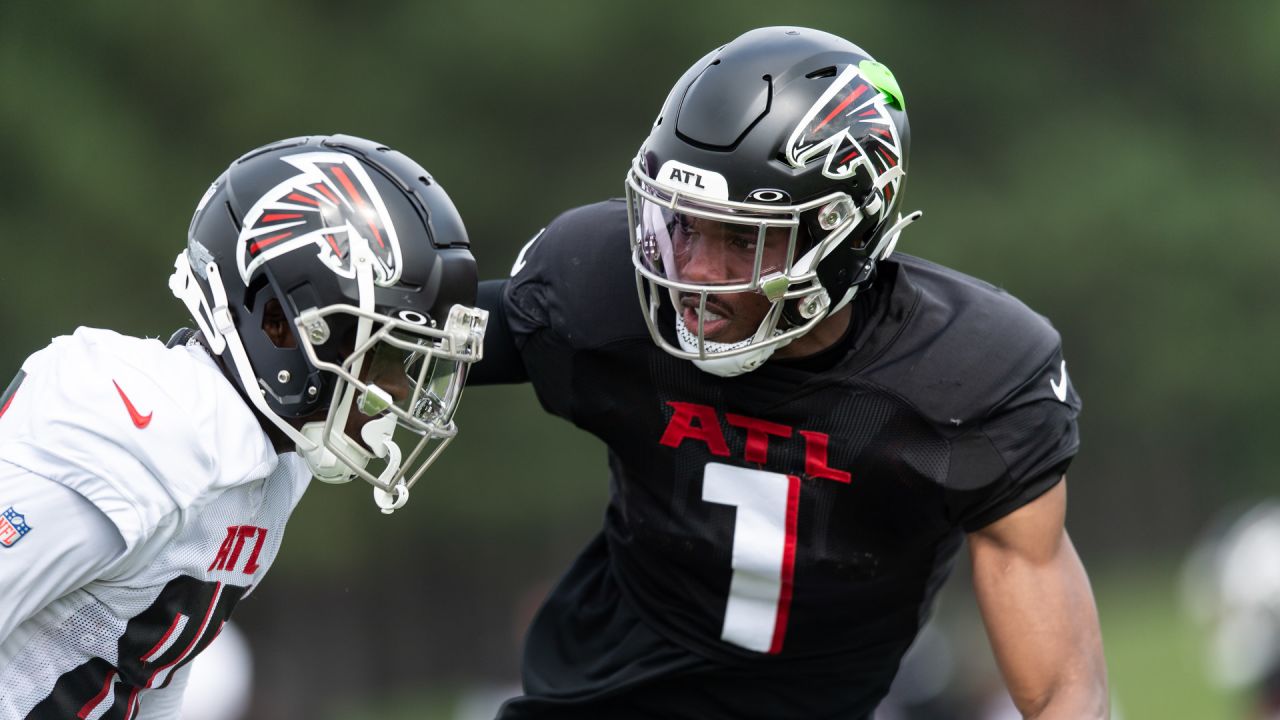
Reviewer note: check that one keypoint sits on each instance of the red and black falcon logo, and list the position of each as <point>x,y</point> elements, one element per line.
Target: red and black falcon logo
<point>851,125</point>
<point>331,206</point>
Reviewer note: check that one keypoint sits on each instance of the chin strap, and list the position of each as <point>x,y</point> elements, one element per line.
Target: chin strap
<point>324,464</point>
<point>378,434</point>
<point>389,502</point>
<point>890,241</point>
<point>733,365</point>
<point>884,248</point>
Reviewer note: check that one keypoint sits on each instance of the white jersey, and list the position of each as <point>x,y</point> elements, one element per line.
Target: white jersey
<point>140,500</point>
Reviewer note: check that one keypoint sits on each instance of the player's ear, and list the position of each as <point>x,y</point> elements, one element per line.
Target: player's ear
<point>276,326</point>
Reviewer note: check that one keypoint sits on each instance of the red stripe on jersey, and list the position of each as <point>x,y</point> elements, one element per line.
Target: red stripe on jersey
<point>788,565</point>
<point>131,709</point>
<point>93,703</point>
<point>268,241</point>
<point>195,639</point>
<point>7,403</point>
<point>155,651</point>
<point>852,96</point>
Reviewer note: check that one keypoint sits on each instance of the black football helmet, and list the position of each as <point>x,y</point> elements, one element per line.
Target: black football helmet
<point>371,265</point>
<point>790,143</point>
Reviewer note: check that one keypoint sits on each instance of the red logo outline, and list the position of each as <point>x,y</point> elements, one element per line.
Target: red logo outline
<point>140,421</point>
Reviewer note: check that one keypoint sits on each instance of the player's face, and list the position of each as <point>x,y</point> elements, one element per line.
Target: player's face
<point>384,367</point>
<point>710,252</point>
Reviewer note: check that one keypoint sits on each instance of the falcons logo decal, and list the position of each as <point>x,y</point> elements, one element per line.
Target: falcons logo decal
<point>851,125</point>
<point>329,206</point>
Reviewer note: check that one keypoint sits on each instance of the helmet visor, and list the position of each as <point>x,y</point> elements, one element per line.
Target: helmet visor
<point>402,376</point>
<point>436,384</point>
<point>416,373</point>
<point>686,246</point>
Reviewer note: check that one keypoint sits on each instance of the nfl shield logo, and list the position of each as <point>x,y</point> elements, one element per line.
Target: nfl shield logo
<point>12,527</point>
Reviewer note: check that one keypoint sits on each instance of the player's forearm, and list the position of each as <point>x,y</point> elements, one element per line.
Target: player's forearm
<point>1065,678</point>
<point>1040,614</point>
<point>1079,699</point>
<point>502,363</point>
<point>1054,665</point>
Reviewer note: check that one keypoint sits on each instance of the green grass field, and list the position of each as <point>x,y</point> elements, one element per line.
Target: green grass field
<point>1155,654</point>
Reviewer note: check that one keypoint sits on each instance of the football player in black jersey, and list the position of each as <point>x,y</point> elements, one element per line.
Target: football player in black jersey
<point>802,428</point>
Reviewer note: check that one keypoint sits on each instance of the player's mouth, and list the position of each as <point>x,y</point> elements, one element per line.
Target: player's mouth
<point>714,318</point>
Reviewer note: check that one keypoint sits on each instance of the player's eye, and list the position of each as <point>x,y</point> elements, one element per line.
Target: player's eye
<point>743,241</point>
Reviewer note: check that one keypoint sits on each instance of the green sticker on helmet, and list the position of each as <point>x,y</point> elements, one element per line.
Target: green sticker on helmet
<point>882,77</point>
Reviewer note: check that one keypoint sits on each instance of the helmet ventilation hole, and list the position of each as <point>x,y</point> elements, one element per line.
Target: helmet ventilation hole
<point>826,72</point>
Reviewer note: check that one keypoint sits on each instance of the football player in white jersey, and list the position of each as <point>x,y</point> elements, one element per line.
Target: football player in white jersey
<point>144,487</point>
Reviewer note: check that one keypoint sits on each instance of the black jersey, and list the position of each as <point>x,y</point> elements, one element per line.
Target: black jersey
<point>800,516</point>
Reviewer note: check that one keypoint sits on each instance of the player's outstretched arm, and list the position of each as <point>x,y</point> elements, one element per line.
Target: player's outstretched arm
<point>502,363</point>
<point>1039,612</point>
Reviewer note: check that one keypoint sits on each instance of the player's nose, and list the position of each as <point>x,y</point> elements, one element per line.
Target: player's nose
<point>704,263</point>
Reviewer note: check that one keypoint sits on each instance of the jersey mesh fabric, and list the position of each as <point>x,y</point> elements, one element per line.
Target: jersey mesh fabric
<point>68,542</point>
<point>68,634</point>
<point>945,412</point>
<point>202,504</point>
<point>143,594</point>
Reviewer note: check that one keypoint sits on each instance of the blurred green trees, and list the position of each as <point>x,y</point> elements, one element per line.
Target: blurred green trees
<point>1113,164</point>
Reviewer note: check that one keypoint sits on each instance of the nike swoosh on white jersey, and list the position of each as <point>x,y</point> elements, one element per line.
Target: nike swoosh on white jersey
<point>1060,385</point>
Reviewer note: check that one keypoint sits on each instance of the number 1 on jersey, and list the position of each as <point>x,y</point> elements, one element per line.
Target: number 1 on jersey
<point>764,552</point>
